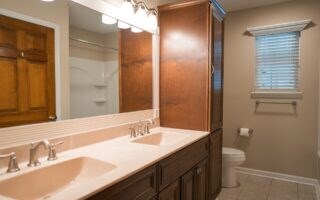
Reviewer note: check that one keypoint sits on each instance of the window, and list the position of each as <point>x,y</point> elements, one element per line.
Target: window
<point>277,69</point>
<point>277,62</point>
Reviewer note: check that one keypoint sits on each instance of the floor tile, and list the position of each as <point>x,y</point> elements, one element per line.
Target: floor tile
<point>260,188</point>
<point>255,188</point>
<point>283,190</point>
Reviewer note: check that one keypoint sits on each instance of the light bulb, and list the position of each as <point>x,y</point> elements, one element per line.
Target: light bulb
<point>141,14</point>
<point>108,20</point>
<point>136,30</point>
<point>126,9</point>
<point>47,0</point>
<point>123,25</point>
<point>152,21</point>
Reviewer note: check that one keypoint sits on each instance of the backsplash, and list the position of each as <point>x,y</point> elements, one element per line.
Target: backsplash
<point>20,135</point>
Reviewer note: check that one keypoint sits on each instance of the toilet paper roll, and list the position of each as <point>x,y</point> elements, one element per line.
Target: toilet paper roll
<point>245,132</point>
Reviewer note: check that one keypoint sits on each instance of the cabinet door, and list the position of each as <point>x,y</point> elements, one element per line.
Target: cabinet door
<point>141,186</point>
<point>216,74</point>
<point>179,163</point>
<point>215,164</point>
<point>187,186</point>
<point>201,180</point>
<point>172,192</point>
<point>184,71</point>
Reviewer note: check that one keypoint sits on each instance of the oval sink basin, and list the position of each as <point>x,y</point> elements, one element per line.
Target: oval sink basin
<point>163,138</point>
<point>42,183</point>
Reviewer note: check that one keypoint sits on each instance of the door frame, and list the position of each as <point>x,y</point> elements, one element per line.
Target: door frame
<point>57,67</point>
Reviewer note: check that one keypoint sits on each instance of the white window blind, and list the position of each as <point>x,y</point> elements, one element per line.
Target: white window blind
<point>277,62</point>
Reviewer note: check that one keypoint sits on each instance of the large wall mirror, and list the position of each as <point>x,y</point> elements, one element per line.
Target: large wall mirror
<point>110,69</point>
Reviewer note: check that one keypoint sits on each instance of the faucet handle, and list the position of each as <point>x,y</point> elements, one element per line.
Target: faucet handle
<point>13,164</point>
<point>132,131</point>
<point>52,151</point>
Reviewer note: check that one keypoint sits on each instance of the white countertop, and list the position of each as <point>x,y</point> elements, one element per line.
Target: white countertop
<point>128,157</point>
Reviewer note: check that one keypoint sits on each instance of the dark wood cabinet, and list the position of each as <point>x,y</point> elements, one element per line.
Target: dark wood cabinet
<point>179,163</point>
<point>141,186</point>
<point>215,163</point>
<point>194,184</point>
<point>172,192</point>
<point>181,176</point>
<point>191,65</point>
<point>191,79</point>
<point>216,89</point>
<point>188,186</point>
<point>201,180</point>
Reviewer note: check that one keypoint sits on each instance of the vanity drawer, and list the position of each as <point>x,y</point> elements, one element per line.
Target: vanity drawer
<point>179,163</point>
<point>141,186</point>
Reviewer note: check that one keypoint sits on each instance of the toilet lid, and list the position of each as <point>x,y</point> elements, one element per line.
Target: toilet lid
<point>231,151</point>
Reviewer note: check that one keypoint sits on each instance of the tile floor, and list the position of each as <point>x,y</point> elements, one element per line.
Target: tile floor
<point>261,188</point>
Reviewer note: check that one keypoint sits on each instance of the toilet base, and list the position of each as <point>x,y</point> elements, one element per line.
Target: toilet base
<point>229,178</point>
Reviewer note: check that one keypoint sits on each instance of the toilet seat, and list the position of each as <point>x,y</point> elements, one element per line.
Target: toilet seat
<point>233,155</point>
<point>231,152</point>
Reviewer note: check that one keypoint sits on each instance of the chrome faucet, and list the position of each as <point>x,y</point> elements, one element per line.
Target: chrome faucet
<point>13,164</point>
<point>148,123</point>
<point>33,159</point>
<point>142,128</point>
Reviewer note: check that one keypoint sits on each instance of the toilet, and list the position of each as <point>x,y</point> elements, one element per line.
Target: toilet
<point>231,158</point>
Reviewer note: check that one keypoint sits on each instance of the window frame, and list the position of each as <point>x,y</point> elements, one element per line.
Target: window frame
<point>296,26</point>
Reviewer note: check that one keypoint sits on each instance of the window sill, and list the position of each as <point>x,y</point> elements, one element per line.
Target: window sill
<point>276,95</point>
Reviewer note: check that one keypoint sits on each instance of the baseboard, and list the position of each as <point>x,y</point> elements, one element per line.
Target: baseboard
<point>284,177</point>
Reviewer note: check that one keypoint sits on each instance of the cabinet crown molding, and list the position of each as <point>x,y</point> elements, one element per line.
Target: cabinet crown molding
<point>279,28</point>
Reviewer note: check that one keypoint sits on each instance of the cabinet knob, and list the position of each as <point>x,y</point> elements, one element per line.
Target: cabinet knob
<point>199,170</point>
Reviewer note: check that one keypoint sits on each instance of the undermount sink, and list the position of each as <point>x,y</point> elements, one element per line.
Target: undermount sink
<point>162,138</point>
<point>42,183</point>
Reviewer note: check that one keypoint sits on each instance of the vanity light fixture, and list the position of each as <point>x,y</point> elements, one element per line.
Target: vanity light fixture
<point>136,30</point>
<point>141,14</point>
<point>153,20</point>
<point>126,9</point>
<point>48,0</point>
<point>108,20</point>
<point>123,25</point>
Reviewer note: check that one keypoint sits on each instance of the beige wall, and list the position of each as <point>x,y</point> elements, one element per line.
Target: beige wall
<point>56,12</point>
<point>284,140</point>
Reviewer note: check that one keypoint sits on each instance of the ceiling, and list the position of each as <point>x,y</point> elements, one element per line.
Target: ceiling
<point>84,18</point>
<point>92,19</point>
<point>233,5</point>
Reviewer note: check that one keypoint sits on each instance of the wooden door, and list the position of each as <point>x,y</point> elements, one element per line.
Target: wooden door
<point>135,71</point>
<point>215,164</point>
<point>216,74</point>
<point>184,65</point>
<point>201,180</point>
<point>27,81</point>
<point>187,186</point>
<point>172,192</point>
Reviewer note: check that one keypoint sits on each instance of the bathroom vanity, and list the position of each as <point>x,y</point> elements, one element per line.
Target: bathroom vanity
<point>167,163</point>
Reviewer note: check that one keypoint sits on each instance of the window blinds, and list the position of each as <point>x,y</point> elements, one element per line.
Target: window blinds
<point>277,62</point>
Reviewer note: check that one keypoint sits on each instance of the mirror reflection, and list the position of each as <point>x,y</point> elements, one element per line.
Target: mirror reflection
<point>110,69</point>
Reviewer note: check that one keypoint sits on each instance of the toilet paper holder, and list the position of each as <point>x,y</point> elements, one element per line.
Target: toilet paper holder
<point>250,132</point>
